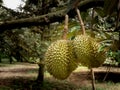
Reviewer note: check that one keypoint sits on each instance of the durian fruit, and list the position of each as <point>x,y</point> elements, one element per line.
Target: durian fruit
<point>88,51</point>
<point>60,59</point>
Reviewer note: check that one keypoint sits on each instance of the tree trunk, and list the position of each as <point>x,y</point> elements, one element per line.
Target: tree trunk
<point>119,40</point>
<point>93,79</point>
<point>40,77</point>
<point>10,58</point>
<point>0,59</point>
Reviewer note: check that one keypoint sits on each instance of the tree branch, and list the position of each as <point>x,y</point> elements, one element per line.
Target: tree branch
<point>57,16</point>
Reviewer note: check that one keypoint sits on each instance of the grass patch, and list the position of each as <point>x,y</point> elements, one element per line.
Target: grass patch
<point>29,84</point>
<point>48,84</point>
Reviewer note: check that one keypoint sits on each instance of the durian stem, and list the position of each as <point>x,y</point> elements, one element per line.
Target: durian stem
<point>93,79</point>
<point>81,21</point>
<point>65,27</point>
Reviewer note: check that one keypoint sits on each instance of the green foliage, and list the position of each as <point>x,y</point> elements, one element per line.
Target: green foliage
<point>100,11</point>
<point>29,44</point>
<point>4,88</point>
<point>117,58</point>
<point>1,1</point>
<point>4,14</point>
<point>35,45</point>
<point>113,57</point>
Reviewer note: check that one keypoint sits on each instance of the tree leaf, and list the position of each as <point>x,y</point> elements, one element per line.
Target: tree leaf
<point>100,11</point>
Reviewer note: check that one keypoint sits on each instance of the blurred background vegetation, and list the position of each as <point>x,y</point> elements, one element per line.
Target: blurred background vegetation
<point>28,44</point>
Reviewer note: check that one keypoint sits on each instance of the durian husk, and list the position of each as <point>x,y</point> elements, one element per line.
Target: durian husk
<point>87,51</point>
<point>60,60</point>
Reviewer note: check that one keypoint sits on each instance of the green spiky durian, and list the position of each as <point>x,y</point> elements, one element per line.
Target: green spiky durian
<point>87,51</point>
<point>60,59</point>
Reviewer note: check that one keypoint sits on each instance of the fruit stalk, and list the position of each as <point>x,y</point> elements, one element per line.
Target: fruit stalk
<point>65,28</point>
<point>81,21</point>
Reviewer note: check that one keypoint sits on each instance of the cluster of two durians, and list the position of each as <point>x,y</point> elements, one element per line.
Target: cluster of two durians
<point>64,56</point>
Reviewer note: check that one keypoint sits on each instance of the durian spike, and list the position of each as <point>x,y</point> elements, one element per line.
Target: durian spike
<point>65,27</point>
<point>81,21</point>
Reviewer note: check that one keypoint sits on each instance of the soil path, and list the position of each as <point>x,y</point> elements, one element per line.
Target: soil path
<point>17,70</point>
<point>79,77</point>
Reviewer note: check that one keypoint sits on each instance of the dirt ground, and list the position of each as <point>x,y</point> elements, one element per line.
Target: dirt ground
<point>80,77</point>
